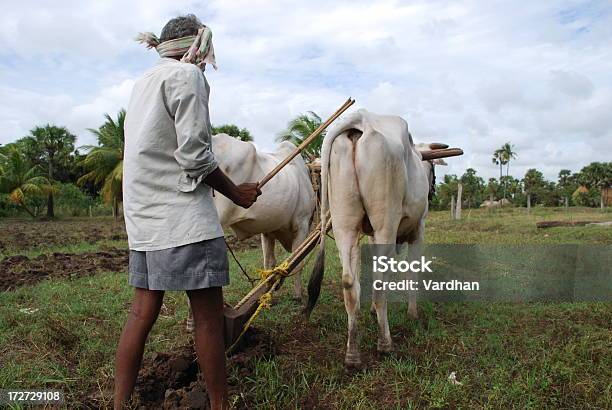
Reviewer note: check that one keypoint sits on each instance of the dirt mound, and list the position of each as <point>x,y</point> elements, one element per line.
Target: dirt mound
<point>554,224</point>
<point>173,381</point>
<point>16,271</point>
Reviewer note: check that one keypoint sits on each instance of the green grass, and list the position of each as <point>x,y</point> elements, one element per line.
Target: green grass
<point>506,356</point>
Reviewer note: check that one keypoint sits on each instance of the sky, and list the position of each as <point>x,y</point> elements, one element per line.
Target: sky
<point>472,74</point>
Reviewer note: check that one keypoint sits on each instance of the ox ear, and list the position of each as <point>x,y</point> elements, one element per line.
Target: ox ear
<point>439,161</point>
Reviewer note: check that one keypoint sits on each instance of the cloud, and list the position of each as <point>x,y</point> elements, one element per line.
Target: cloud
<point>29,109</point>
<point>572,84</point>
<point>474,74</point>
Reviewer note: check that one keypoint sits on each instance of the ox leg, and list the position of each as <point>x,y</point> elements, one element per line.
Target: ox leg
<point>267,246</point>
<point>415,249</point>
<point>386,240</point>
<point>347,215</point>
<point>347,242</point>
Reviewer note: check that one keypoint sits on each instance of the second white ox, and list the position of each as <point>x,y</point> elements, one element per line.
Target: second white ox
<point>285,207</point>
<point>374,182</point>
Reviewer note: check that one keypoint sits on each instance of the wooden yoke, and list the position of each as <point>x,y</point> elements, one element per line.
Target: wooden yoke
<point>441,153</point>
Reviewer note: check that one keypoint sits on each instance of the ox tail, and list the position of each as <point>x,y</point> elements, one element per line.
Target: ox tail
<point>352,121</point>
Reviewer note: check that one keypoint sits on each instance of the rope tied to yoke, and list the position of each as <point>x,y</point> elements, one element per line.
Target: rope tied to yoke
<point>282,270</point>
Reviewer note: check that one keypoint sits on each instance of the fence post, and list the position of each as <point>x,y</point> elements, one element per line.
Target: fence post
<point>528,203</point>
<point>458,205</point>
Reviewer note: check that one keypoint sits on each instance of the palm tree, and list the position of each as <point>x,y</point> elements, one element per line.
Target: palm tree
<point>105,161</point>
<point>498,159</point>
<point>299,129</point>
<point>52,146</point>
<point>533,182</point>
<point>501,157</point>
<point>597,175</point>
<point>19,179</point>
<point>507,155</point>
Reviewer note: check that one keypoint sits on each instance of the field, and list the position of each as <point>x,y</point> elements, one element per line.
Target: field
<point>64,297</point>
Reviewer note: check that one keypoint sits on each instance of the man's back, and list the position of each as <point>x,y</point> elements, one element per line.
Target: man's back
<point>167,153</point>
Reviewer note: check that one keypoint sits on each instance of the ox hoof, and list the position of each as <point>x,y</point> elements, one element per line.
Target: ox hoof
<point>298,299</point>
<point>384,347</point>
<point>352,361</point>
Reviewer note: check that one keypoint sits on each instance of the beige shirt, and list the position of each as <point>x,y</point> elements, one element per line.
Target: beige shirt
<point>167,154</point>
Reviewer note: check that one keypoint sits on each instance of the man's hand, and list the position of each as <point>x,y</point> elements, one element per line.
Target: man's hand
<point>243,195</point>
<point>246,194</point>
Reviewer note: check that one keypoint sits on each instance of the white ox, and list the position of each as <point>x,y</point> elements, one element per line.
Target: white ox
<point>285,207</point>
<point>374,182</point>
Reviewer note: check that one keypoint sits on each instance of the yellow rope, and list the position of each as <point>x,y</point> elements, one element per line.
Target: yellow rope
<point>265,301</point>
<point>281,270</point>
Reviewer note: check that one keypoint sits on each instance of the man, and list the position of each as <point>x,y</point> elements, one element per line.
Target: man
<point>175,239</point>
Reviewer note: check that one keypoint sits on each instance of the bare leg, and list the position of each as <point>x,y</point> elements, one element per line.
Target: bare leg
<point>189,322</point>
<point>207,307</point>
<point>142,316</point>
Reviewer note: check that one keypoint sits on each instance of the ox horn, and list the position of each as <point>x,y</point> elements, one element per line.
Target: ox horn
<point>438,145</point>
<point>441,153</point>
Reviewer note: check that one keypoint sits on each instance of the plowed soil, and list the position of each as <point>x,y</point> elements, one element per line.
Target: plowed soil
<point>23,234</point>
<point>20,235</point>
<point>19,270</point>
<point>173,381</point>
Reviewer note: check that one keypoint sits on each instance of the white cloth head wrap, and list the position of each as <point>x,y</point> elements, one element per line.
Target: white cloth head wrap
<point>196,49</point>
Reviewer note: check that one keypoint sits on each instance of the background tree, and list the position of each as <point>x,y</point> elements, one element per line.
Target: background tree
<point>50,147</point>
<point>513,186</point>
<point>21,180</point>
<point>104,163</point>
<point>233,130</point>
<point>501,157</point>
<point>498,159</point>
<point>492,189</point>
<point>446,190</point>
<point>533,182</point>
<point>597,175</point>
<point>508,154</point>
<point>472,187</point>
<point>299,129</point>
<point>567,183</point>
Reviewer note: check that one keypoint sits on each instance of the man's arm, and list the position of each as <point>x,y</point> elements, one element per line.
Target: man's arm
<point>243,195</point>
<point>188,103</point>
